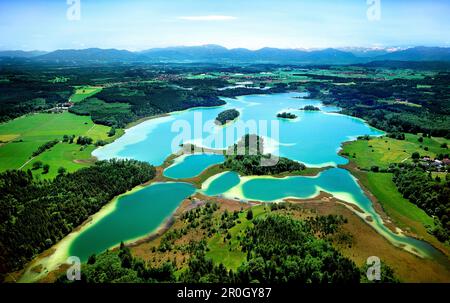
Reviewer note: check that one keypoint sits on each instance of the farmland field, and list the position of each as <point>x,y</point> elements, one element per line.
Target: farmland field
<point>22,136</point>
<point>384,151</point>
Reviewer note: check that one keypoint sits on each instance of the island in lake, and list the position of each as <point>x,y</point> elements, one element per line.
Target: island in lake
<point>227,116</point>
<point>286,115</point>
<point>310,108</point>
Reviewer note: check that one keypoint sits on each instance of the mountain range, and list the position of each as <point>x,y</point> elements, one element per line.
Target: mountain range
<point>219,54</point>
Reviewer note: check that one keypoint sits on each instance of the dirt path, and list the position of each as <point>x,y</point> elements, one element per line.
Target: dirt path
<point>23,165</point>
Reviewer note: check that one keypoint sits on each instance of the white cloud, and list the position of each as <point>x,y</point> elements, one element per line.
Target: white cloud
<point>208,18</point>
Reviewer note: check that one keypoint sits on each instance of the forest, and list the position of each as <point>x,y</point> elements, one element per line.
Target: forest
<point>21,95</point>
<point>430,194</point>
<point>35,214</point>
<point>393,105</point>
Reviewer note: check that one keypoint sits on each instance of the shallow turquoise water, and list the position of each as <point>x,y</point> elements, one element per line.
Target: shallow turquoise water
<point>192,165</point>
<point>135,215</point>
<point>222,183</point>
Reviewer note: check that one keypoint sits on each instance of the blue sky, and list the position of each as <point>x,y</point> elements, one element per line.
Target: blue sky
<point>142,24</point>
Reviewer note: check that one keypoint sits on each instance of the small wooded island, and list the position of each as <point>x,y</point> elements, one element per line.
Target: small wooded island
<point>310,108</point>
<point>227,116</point>
<point>248,161</point>
<point>286,115</point>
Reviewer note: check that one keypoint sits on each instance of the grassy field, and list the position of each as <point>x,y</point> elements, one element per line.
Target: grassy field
<point>384,151</point>
<point>22,136</point>
<point>83,92</point>
<point>405,214</point>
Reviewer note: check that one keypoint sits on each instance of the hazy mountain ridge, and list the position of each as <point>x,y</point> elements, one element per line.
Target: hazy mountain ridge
<point>219,54</point>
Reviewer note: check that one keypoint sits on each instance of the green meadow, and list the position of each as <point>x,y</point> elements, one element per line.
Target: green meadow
<point>405,214</point>
<point>22,136</point>
<point>84,92</point>
<point>383,151</point>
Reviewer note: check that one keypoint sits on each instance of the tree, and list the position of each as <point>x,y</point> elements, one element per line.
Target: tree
<point>37,165</point>
<point>46,168</point>
<point>84,140</point>
<point>415,156</point>
<point>112,132</point>
<point>420,139</point>
<point>61,171</point>
<point>250,214</point>
<point>91,259</point>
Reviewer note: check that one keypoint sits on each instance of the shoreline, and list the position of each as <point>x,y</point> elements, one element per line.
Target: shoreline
<point>387,220</point>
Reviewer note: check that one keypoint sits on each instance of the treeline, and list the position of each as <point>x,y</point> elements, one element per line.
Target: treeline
<point>45,147</point>
<point>226,116</point>
<point>120,105</point>
<point>310,108</point>
<point>430,194</point>
<point>110,114</point>
<point>35,214</point>
<point>252,165</point>
<point>128,103</point>
<point>25,93</point>
<point>367,99</point>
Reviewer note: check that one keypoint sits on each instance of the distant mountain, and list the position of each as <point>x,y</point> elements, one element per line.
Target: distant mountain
<point>219,54</point>
<point>216,53</point>
<point>366,52</point>
<point>90,55</point>
<point>420,53</point>
<point>21,54</point>
<point>186,53</point>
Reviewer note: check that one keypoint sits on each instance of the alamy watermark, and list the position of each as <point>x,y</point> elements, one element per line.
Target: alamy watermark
<point>73,10</point>
<point>73,273</point>
<point>374,268</point>
<point>373,10</point>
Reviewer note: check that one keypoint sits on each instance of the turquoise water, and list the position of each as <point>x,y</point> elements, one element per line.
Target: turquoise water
<point>336,181</point>
<point>135,215</point>
<point>313,138</point>
<point>189,166</point>
<point>221,184</point>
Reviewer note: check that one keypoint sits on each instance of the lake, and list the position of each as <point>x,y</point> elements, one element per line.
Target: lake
<point>313,138</point>
<point>189,166</point>
<point>135,214</point>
